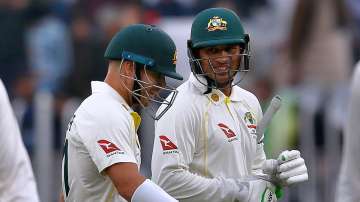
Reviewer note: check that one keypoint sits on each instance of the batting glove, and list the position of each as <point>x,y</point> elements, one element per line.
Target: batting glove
<point>288,169</point>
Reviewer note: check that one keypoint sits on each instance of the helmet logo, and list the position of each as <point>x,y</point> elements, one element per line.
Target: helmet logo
<point>216,23</point>
<point>174,59</point>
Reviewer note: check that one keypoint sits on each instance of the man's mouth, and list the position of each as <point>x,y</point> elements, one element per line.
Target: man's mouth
<point>222,69</point>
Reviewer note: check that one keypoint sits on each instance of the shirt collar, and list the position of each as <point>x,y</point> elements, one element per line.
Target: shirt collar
<point>216,95</point>
<point>198,84</point>
<point>102,87</point>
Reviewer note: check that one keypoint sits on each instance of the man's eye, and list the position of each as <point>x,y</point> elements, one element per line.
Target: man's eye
<point>231,50</point>
<point>213,50</point>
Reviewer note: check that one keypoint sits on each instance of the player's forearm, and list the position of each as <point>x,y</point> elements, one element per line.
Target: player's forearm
<point>61,197</point>
<point>186,186</point>
<point>148,191</point>
<point>134,187</point>
<point>259,159</point>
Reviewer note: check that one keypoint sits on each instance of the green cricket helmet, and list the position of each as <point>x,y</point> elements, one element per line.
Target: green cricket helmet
<point>217,26</point>
<point>152,48</point>
<point>147,45</point>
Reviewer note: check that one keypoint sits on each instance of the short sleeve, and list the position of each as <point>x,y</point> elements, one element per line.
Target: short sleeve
<point>108,140</point>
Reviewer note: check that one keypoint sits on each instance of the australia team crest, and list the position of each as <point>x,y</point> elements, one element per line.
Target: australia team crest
<point>250,122</point>
<point>216,23</point>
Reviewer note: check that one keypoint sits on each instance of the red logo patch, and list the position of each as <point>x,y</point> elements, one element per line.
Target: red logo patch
<point>108,146</point>
<point>228,132</point>
<point>166,143</point>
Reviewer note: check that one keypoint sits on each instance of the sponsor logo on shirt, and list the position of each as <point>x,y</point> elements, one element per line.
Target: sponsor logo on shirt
<point>228,132</point>
<point>167,146</point>
<point>109,148</point>
<point>250,122</point>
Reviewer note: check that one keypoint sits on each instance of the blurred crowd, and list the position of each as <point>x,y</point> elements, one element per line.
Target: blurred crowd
<point>303,50</point>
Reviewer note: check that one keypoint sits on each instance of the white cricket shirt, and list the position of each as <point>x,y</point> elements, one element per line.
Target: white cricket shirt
<point>204,142</point>
<point>101,133</point>
<point>348,187</point>
<point>17,182</point>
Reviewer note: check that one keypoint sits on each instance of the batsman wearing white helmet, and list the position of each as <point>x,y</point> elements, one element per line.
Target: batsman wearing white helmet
<point>102,152</point>
<point>205,146</point>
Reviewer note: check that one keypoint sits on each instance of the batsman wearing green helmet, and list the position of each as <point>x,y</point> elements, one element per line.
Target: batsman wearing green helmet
<point>102,153</point>
<point>205,146</point>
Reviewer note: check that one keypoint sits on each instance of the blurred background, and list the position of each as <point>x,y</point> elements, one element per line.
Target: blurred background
<point>303,50</point>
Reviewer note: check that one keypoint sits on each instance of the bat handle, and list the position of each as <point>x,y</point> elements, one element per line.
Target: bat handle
<point>268,115</point>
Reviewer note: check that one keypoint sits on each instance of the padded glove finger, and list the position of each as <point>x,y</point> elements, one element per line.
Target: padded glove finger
<point>293,172</point>
<point>289,165</point>
<point>297,179</point>
<point>288,156</point>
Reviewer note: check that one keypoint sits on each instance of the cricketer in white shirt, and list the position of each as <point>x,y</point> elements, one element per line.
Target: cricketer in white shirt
<point>206,143</point>
<point>17,182</point>
<point>101,133</point>
<point>348,187</point>
<point>102,152</point>
<point>205,146</point>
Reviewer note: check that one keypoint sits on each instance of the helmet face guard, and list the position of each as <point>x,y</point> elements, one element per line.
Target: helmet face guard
<point>215,27</point>
<point>142,93</point>
<point>236,73</point>
<point>150,49</point>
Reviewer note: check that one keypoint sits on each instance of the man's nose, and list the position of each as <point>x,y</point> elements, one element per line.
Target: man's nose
<point>224,57</point>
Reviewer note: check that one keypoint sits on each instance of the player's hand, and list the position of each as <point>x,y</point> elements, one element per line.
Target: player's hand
<point>291,168</point>
<point>288,169</point>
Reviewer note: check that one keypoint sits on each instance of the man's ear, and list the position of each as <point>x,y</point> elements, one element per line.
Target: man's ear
<point>128,68</point>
